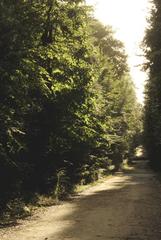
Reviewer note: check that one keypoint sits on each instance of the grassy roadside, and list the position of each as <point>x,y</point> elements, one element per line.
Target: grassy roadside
<point>81,188</point>
<point>18,209</point>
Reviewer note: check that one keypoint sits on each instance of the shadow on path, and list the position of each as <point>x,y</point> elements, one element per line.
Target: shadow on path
<point>125,207</point>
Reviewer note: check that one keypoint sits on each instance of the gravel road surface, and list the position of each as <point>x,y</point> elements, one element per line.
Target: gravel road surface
<point>124,207</point>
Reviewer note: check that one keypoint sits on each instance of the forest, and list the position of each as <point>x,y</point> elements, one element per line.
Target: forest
<point>67,100</point>
<point>152,115</point>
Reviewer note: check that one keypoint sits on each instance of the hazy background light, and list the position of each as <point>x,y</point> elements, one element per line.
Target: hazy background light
<point>128,18</point>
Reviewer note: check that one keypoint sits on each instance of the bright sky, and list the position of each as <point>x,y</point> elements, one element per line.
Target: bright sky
<point>128,18</point>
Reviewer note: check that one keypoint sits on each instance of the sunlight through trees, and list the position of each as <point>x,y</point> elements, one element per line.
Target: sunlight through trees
<point>68,104</point>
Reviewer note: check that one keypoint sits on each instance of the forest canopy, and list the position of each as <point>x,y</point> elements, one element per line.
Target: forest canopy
<point>68,104</point>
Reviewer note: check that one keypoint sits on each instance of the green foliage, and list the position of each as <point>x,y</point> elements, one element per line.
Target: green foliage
<point>152,121</point>
<point>116,106</point>
<point>68,107</point>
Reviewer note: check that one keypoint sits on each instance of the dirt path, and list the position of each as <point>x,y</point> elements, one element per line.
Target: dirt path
<point>125,207</point>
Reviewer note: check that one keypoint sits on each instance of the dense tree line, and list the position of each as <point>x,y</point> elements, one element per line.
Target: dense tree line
<point>152,122</point>
<point>68,105</point>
